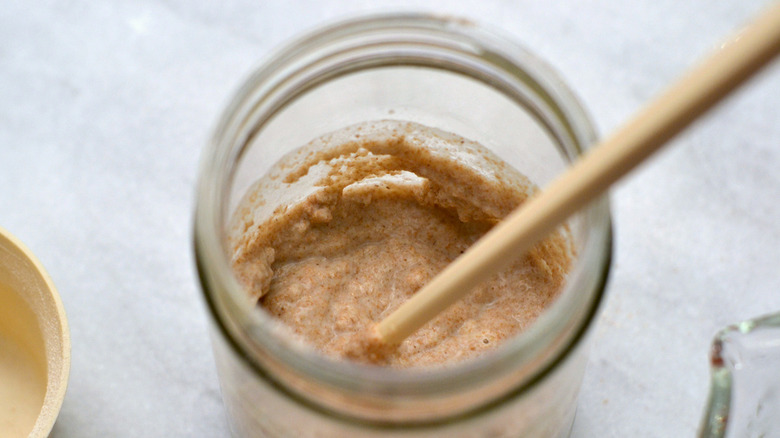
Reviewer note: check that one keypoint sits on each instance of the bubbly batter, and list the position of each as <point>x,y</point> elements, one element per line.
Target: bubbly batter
<point>345,229</point>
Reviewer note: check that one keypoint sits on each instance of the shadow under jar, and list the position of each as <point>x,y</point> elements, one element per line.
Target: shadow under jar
<point>447,74</point>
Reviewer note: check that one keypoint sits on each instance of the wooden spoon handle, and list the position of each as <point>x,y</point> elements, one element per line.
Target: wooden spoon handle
<point>592,175</point>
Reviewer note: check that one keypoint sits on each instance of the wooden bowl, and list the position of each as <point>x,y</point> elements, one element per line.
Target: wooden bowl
<point>34,344</point>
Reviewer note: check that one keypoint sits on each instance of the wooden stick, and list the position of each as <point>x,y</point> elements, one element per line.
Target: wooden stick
<point>592,175</point>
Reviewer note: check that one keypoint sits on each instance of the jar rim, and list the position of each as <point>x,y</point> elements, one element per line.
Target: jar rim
<point>242,326</point>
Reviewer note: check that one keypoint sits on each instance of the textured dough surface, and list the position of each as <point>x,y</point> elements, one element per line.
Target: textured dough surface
<point>344,230</point>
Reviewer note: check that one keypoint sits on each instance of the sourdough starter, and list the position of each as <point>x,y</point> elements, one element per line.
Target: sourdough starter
<point>344,230</point>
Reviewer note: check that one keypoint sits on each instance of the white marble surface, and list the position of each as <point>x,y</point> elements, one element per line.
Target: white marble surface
<point>105,106</point>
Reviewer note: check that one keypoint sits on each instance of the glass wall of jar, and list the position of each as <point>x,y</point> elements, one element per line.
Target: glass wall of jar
<point>440,72</point>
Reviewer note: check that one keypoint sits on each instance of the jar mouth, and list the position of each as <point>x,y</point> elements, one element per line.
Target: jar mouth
<point>459,46</point>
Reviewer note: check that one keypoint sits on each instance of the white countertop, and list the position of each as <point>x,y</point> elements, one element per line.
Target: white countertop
<point>105,108</point>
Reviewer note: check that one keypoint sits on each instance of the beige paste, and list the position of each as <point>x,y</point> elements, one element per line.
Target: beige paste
<point>345,229</point>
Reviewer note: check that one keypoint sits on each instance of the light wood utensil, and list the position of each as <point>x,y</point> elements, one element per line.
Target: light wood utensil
<point>656,124</point>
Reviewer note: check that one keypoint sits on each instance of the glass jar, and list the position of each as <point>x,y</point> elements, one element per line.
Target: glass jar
<point>444,73</point>
<point>744,398</point>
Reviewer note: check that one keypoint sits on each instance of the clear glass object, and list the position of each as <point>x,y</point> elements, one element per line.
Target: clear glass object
<point>444,73</point>
<point>744,397</point>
